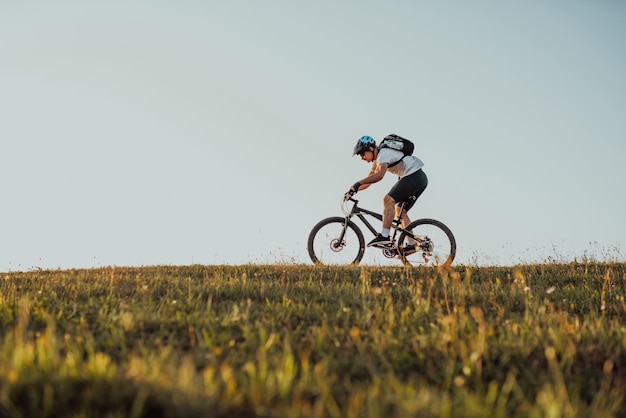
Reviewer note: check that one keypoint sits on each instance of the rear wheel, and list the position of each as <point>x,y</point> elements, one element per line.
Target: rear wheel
<point>435,245</point>
<point>333,242</point>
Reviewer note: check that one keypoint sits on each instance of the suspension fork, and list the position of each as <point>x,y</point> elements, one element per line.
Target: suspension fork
<point>341,236</point>
<point>343,230</point>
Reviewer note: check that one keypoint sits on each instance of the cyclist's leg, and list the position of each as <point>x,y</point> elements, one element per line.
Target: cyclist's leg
<point>406,191</point>
<point>383,239</point>
<point>388,211</point>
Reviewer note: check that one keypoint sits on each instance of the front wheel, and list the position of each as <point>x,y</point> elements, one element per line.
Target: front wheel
<point>336,241</point>
<point>434,244</point>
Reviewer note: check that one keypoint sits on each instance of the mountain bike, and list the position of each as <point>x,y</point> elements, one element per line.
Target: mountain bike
<point>339,241</point>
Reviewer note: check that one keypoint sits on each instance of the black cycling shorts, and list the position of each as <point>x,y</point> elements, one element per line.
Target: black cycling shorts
<point>409,188</point>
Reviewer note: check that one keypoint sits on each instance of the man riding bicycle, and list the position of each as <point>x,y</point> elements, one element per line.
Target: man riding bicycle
<point>412,182</point>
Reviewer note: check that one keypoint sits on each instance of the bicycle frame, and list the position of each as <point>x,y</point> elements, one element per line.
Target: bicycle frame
<point>431,241</point>
<point>360,213</point>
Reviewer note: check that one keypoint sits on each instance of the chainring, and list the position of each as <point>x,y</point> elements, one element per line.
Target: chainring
<point>390,252</point>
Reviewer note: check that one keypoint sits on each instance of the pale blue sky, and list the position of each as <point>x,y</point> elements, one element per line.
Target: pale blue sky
<point>141,133</point>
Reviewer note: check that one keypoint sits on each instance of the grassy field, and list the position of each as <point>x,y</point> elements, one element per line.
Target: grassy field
<point>299,341</point>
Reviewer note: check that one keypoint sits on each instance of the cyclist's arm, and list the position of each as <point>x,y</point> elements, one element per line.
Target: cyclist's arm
<point>375,176</point>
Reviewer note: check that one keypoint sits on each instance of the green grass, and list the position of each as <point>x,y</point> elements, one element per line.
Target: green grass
<point>298,341</point>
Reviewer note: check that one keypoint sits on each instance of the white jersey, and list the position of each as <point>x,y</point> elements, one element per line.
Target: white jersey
<point>409,164</point>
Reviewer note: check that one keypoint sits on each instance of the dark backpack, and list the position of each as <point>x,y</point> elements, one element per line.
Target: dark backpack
<point>398,143</point>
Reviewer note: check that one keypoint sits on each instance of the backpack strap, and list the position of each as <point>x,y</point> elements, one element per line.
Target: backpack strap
<point>392,164</point>
<point>396,163</point>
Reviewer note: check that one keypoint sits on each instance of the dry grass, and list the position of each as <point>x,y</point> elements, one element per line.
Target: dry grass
<point>287,340</point>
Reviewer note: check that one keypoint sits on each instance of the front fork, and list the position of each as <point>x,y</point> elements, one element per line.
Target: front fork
<point>339,241</point>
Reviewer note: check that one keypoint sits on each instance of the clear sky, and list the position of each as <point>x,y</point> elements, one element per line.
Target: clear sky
<point>150,132</point>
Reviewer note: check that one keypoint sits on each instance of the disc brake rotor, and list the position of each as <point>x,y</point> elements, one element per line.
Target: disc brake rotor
<point>336,245</point>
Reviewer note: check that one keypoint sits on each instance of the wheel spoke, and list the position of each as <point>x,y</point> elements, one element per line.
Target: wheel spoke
<point>328,244</point>
<point>434,243</point>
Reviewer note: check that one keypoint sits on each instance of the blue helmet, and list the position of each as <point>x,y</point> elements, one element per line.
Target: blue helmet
<point>363,144</point>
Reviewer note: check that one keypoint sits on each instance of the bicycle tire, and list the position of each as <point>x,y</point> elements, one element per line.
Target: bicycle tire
<point>325,250</point>
<point>436,246</point>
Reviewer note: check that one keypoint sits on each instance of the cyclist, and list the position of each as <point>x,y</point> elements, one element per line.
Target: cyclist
<point>412,182</point>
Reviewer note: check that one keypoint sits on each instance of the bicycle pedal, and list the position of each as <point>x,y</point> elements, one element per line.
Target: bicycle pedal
<point>383,246</point>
